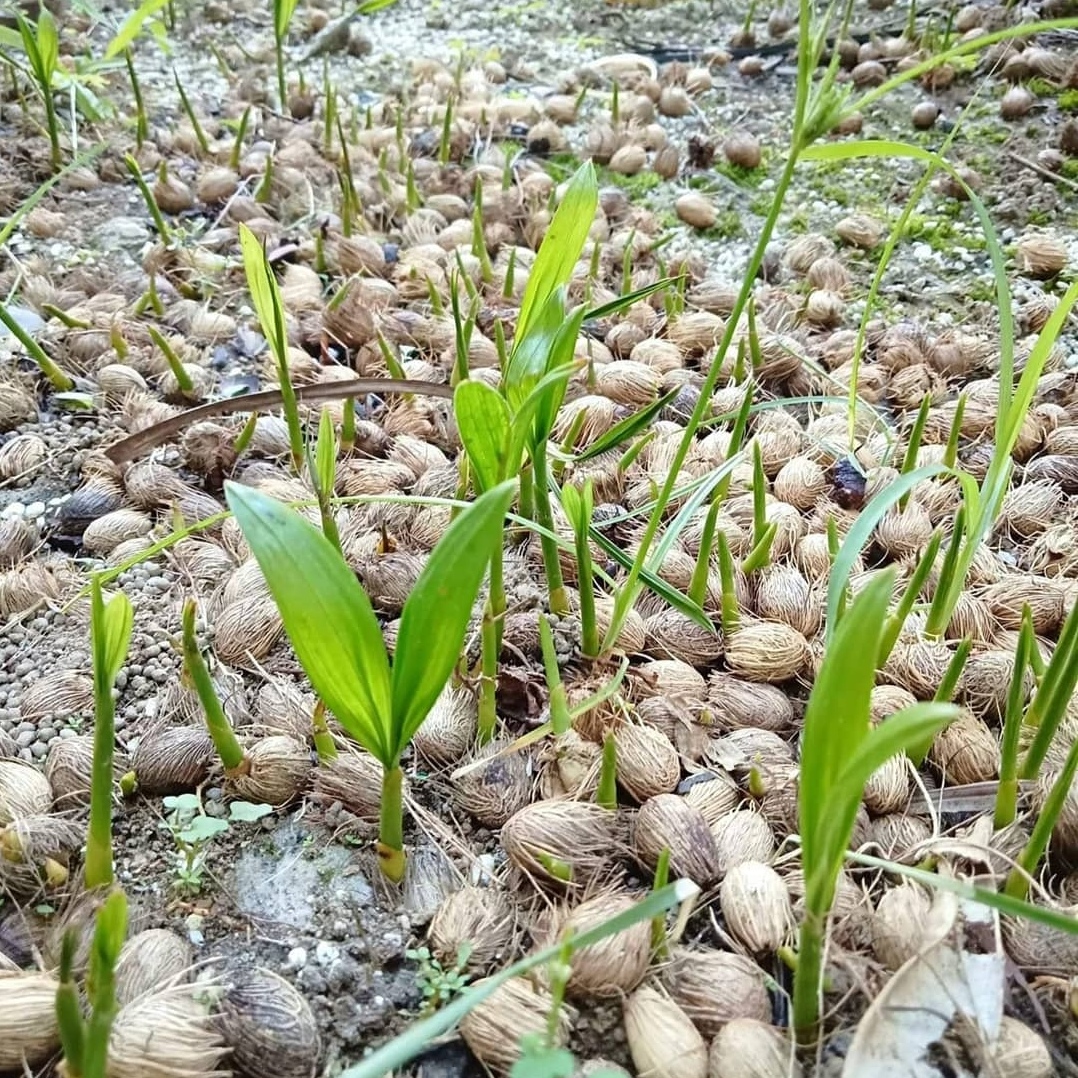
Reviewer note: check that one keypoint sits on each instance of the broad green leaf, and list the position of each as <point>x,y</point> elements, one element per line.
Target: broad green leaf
<point>10,39</point>
<point>326,614</point>
<point>131,27</point>
<point>483,422</point>
<point>48,42</point>
<point>264,293</point>
<point>283,10</point>
<point>202,829</point>
<point>861,532</point>
<point>112,635</point>
<point>405,1047</point>
<point>246,812</point>
<point>837,721</point>
<point>530,358</point>
<point>560,358</point>
<point>562,245</point>
<point>435,617</point>
<point>182,803</point>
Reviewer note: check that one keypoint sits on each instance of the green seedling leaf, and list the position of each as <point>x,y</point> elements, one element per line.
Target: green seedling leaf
<point>325,454</point>
<point>622,302</point>
<point>202,829</point>
<point>561,246</point>
<point>483,422</point>
<point>435,617</point>
<point>369,7</point>
<point>182,803</point>
<point>263,289</point>
<point>540,1060</point>
<point>283,10</point>
<point>326,614</point>
<point>111,643</point>
<point>625,429</point>
<point>246,812</point>
<point>131,27</point>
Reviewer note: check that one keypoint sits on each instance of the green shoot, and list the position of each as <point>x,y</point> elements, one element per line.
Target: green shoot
<point>606,793</point>
<point>142,125</point>
<point>944,695</point>
<point>151,203</point>
<point>266,297</point>
<point>179,371</point>
<point>110,634</point>
<point>283,10</point>
<point>731,610</point>
<point>702,569</point>
<point>338,641</point>
<point>41,43</point>
<point>840,750</point>
<point>1007,795</point>
<point>913,446</point>
<point>228,747</point>
<point>906,603</point>
<point>324,744</point>
<point>950,454</point>
<point>192,117</point>
<point>579,505</point>
<point>61,382</point>
<point>323,472</point>
<point>236,155</point>
<point>560,719</point>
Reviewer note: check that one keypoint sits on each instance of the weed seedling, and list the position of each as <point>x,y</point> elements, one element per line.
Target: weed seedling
<point>439,984</point>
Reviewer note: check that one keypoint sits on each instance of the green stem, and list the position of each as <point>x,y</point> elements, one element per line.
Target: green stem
<point>391,824</point>
<point>544,516</point>
<point>527,493</point>
<point>488,680</point>
<point>220,729</point>
<point>607,793</point>
<point>731,612</point>
<point>560,719</point>
<point>323,739</point>
<point>59,380</point>
<point>151,203</point>
<point>808,979</point>
<point>698,584</point>
<point>98,871</point>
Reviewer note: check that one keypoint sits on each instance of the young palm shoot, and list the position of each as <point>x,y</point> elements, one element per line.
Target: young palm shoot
<point>323,472</point>
<point>283,10</point>
<point>579,506</point>
<point>606,794</point>
<point>110,634</point>
<point>840,750</point>
<point>266,297</point>
<point>85,1040</point>
<point>59,380</point>
<point>41,43</point>
<point>560,718</point>
<point>163,231</point>
<point>731,610</point>
<point>338,641</point>
<point>1007,794</point>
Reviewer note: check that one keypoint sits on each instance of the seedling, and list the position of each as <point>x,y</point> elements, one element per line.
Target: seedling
<point>41,43</point>
<point>151,204</point>
<point>142,126</point>
<point>579,505</point>
<point>61,382</point>
<point>337,639</point>
<point>283,10</point>
<point>440,984</point>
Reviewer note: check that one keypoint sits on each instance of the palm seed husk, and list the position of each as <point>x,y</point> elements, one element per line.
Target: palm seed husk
<point>269,1026</point>
<point>750,1048</point>
<point>647,763</point>
<point>898,923</point>
<point>669,822</point>
<point>167,1034</point>
<point>1010,596</point>
<point>750,749</point>
<point>673,635</point>
<point>449,728</point>
<point>713,792</point>
<point>482,920</point>
<point>1018,1050</point>
<point>736,703</point>
<point>247,630</point>
<point>614,965</point>
<point>569,767</point>
<point>965,751</point>
<point>275,770</point>
<point>496,790</point>
<point>1040,948</point>
<point>352,778</point>
<point>171,760</point>
<point>888,787</point>
<point>561,842</point>
<point>17,539</point>
<point>68,767</point>
<point>150,960</point>
<point>742,835</point>
<point>783,594</point>
<point>756,906</point>
<point>768,651</point>
<point>716,987</point>
<point>282,707</point>
<point>31,1031</point>
<point>662,1040</point>
<point>686,725</point>
<point>899,836</point>
<point>35,852</point>
<point>57,696</point>
<point>24,791</point>
<point>493,1029</point>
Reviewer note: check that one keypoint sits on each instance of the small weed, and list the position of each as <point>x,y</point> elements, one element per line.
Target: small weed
<point>438,983</point>
<point>1068,101</point>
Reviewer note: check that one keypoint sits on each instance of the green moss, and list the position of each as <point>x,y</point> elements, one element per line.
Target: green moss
<point>1042,87</point>
<point>1068,100</point>
<point>727,226</point>
<point>761,204</point>
<point>743,177</point>
<point>639,184</point>
<point>940,234</point>
<point>1040,217</point>
<point>1070,169</point>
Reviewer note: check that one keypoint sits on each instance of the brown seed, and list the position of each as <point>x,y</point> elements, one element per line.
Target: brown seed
<point>31,1031</point>
<point>662,1040</point>
<point>497,790</point>
<point>898,923</point>
<point>1038,948</point>
<point>269,1027</point>
<point>354,779</point>
<point>22,453</point>
<point>561,842</point>
<point>737,703</point>
<point>750,1048</point>
<point>35,852</point>
<point>888,787</point>
<point>647,763</point>
<point>768,651</point>
<point>449,728</point>
<point>716,987</point>
<point>924,115</point>
<point>899,836</point>
<point>859,230</point>
<point>479,919</point>
<point>57,695</point>
<point>965,751</point>
<point>783,594</point>
<point>674,101</point>
<point>1041,255</point>
<point>150,960</point>
<point>276,770</point>
<point>742,149</point>
<point>714,794</point>
<point>673,635</point>
<point>1019,1050</point>
<point>742,836</point>
<point>669,822</point>
<point>696,210</point>
<point>629,160</point>
<point>756,906</point>
<point>494,1027</point>
<point>24,791</point>
<point>172,760</point>
<point>666,162</point>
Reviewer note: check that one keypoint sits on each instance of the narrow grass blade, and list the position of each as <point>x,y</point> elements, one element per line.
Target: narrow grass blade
<point>436,615</point>
<point>326,614</point>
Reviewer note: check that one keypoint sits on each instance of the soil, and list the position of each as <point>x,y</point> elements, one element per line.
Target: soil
<point>298,891</point>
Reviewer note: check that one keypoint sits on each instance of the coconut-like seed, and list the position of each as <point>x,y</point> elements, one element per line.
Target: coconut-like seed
<point>1038,948</point>
<point>57,696</point>
<point>1028,509</point>
<point>1041,256</point>
<point>1019,1050</point>
<point>756,906</point>
<point>859,230</point>
<point>269,1027</point>
<point>668,677</point>
<point>168,1034</point>
<point>714,793</point>
<point>1008,598</point>
<point>899,836</point>
<point>742,835</point>
<point>768,651</point>
<point>780,805</point>
<point>965,751</point>
<point>647,763</point>
<point>479,920</point>
<point>354,779</point>
<point>449,728</point>
<point>783,594</point>
<point>662,1040</point>
<point>150,960</point>
<point>282,707</point>
<point>716,987</point>
<point>673,635</point>
<point>276,770</point>
<point>613,966</point>
<point>751,749</point>
<point>888,787</point>
<point>736,703</point>
<point>569,767</point>
<point>24,791</point>
<point>494,1027</point>
<point>986,683</point>
<point>902,533</point>
<point>246,629</point>
<point>918,667</point>
<point>850,920</point>
<point>31,1030</point>
<point>669,822</point>
<point>497,790</point>
<point>751,1048</point>
<point>800,482</point>
<point>17,539</point>
<point>561,842</point>
<point>898,923</point>
<point>888,700</point>
<point>172,760</point>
